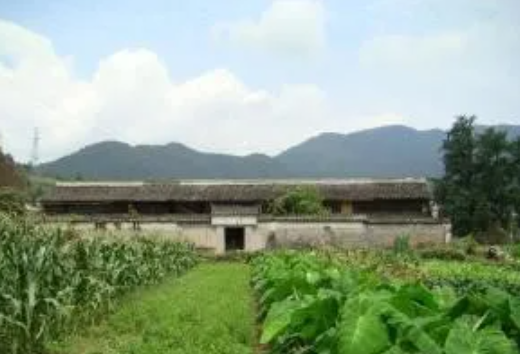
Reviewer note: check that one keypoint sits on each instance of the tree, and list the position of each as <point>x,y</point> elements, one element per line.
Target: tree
<point>12,185</point>
<point>299,201</point>
<point>454,191</point>
<point>480,189</point>
<point>514,151</point>
<point>492,180</point>
<point>12,201</point>
<point>10,176</point>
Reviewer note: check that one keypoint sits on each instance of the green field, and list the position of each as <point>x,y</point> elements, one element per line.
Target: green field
<point>66,293</point>
<point>209,310</point>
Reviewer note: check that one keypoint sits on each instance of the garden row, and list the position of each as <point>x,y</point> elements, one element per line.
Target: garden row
<point>469,275</point>
<point>53,282</point>
<point>364,302</point>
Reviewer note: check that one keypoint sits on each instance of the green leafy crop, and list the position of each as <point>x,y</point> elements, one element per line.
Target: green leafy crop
<point>311,303</point>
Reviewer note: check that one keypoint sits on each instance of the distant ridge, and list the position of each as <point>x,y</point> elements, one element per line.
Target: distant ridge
<point>386,152</point>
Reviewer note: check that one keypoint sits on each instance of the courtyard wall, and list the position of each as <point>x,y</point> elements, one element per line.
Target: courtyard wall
<point>270,232</point>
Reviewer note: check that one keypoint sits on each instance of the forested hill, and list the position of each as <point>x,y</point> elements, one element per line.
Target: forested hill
<point>390,151</point>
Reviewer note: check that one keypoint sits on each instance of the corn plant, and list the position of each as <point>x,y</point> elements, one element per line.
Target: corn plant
<point>51,282</point>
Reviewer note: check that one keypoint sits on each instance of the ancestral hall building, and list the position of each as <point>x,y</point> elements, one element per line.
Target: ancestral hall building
<point>233,214</point>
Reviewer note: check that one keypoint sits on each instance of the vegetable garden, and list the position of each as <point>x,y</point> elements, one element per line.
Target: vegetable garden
<point>57,287</point>
<point>367,302</point>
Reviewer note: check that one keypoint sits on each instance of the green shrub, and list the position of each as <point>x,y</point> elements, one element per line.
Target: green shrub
<point>443,253</point>
<point>402,244</point>
<point>514,251</point>
<point>495,235</point>
<point>467,244</point>
<point>299,201</point>
<point>234,256</point>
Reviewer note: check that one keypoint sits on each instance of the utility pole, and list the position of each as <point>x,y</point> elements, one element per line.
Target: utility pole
<point>35,148</point>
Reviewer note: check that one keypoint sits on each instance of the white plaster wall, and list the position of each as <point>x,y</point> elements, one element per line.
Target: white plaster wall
<point>447,231</point>
<point>291,234</point>
<point>255,238</point>
<point>385,234</point>
<point>201,235</point>
<point>351,234</point>
<point>205,236</point>
<point>233,220</point>
<point>220,243</point>
<point>160,227</point>
<point>285,234</point>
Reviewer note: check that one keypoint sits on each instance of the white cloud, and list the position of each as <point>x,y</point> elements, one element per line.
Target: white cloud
<point>288,27</point>
<point>36,89</point>
<point>131,98</point>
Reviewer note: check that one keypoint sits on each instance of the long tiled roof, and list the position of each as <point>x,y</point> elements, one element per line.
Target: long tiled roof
<point>236,191</point>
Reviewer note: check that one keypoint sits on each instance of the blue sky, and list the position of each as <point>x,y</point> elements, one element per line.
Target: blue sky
<point>243,76</point>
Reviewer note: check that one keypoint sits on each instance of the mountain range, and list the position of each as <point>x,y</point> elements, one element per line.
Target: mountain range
<point>384,152</point>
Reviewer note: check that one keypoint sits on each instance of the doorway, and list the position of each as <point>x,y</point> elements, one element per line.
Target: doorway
<point>234,238</point>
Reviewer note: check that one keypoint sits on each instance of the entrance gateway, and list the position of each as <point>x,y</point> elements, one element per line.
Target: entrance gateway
<point>234,222</point>
<point>234,238</point>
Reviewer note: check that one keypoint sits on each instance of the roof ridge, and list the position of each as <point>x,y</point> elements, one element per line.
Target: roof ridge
<point>274,181</point>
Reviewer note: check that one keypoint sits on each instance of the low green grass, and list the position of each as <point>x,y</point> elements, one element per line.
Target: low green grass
<point>209,310</point>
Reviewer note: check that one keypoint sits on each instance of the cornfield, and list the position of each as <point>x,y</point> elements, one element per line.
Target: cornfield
<point>52,281</point>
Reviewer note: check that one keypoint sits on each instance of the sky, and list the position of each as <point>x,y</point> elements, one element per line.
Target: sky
<point>239,77</point>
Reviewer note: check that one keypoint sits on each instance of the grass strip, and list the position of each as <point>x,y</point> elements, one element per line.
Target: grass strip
<point>209,310</point>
